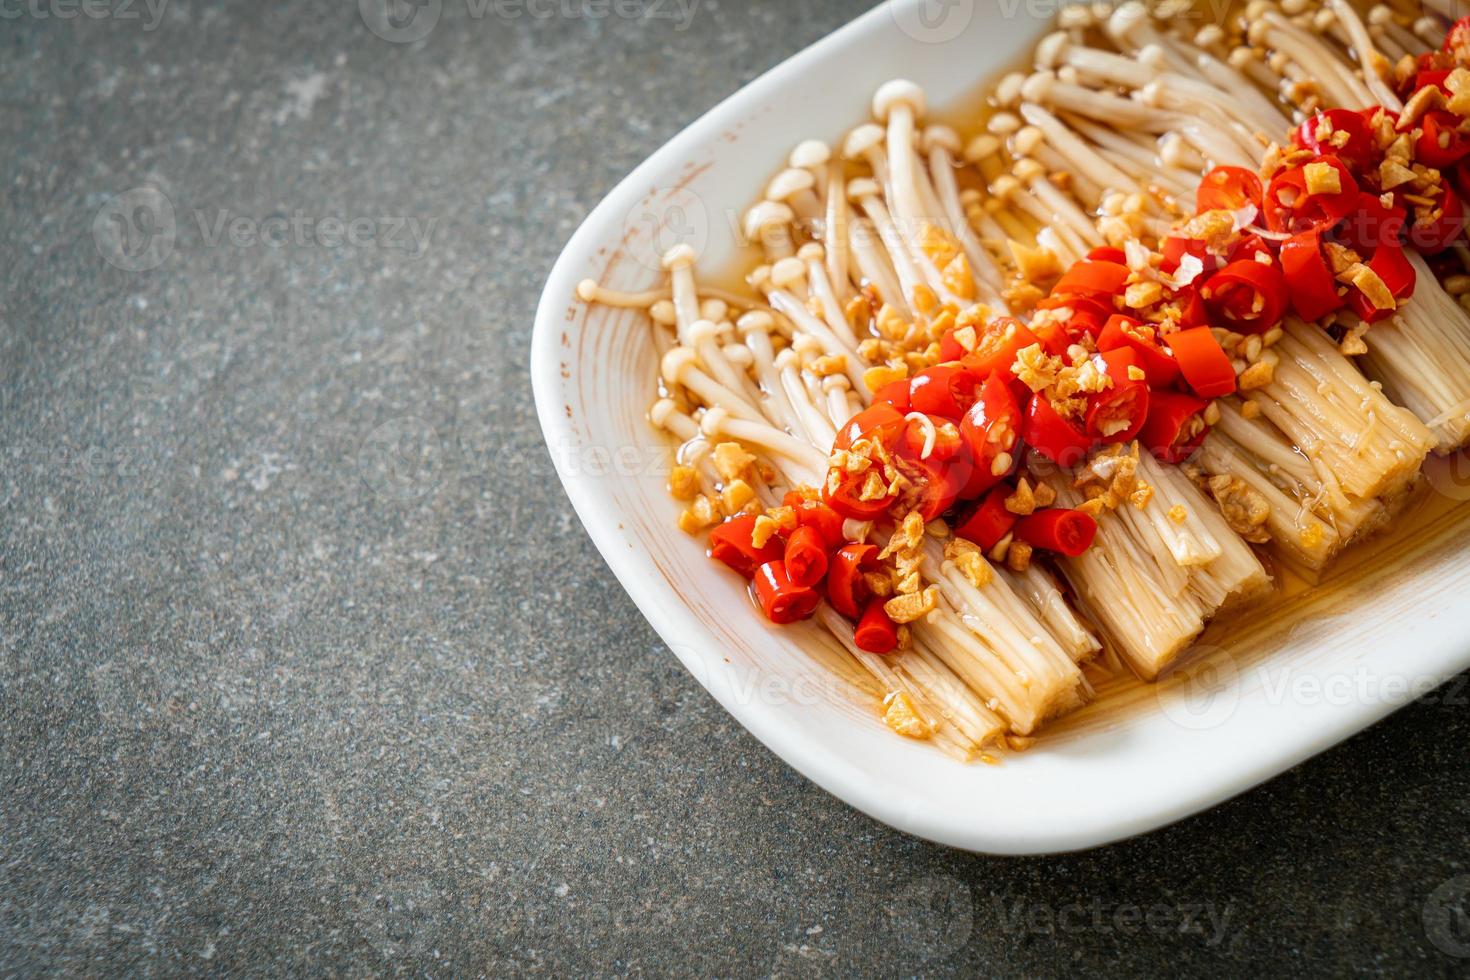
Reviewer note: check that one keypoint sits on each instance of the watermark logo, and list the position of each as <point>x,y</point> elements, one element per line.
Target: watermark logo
<point>929,917</point>
<point>135,230</point>
<point>1450,475</point>
<point>401,21</point>
<point>666,218</point>
<point>1204,694</point>
<point>1447,917</point>
<point>932,21</point>
<point>403,459</point>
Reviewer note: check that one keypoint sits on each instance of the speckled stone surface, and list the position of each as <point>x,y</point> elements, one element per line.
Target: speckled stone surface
<point>305,663</point>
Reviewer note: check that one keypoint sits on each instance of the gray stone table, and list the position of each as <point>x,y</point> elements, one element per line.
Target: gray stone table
<point>305,662</point>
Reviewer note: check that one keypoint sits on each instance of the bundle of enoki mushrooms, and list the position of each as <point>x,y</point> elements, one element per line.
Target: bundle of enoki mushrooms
<point>874,248</point>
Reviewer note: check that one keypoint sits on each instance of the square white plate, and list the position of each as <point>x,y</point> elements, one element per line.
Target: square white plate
<point>1388,630</point>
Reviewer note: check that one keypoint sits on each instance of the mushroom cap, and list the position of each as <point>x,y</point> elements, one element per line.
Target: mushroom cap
<point>739,355</point>
<point>677,361</point>
<point>1151,94</point>
<point>899,92</point>
<point>587,290</point>
<point>982,147</point>
<point>1008,90</point>
<point>759,277</point>
<point>1052,49</point>
<point>789,271</point>
<point>701,331</point>
<point>811,252</point>
<point>1209,36</point>
<point>713,421</point>
<point>832,381</point>
<point>1005,185</point>
<point>1380,14</point>
<point>789,183</point>
<point>805,343</point>
<point>714,309</point>
<point>811,153</point>
<point>1257,9</point>
<point>1153,56</point>
<point>1027,139</point>
<point>681,256</point>
<point>942,137</point>
<point>767,215</point>
<point>1075,16</point>
<point>862,139</point>
<point>664,312</point>
<point>1038,87</point>
<point>662,410</point>
<point>788,358</point>
<point>1126,19</point>
<point>1028,170</point>
<point>861,188</point>
<point>756,320</point>
<point>1004,123</point>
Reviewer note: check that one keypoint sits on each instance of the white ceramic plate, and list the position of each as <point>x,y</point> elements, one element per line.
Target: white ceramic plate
<point>1392,628</point>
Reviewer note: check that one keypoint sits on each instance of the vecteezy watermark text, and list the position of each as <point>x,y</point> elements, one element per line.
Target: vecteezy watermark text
<point>405,234</point>
<point>1204,919</point>
<point>138,229</point>
<point>406,21</point>
<point>149,11</point>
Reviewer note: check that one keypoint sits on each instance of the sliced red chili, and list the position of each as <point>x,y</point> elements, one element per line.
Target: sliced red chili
<point>847,499</point>
<point>1203,362</point>
<point>1090,278</point>
<point>1252,248</point>
<point>846,589</point>
<point>991,427</point>
<point>895,393</point>
<point>1171,432</point>
<point>1443,227</point>
<point>876,632</point>
<point>947,390</point>
<point>880,422</point>
<point>1308,277</point>
<point>947,443</point>
<point>1052,435</point>
<point>1107,253</point>
<point>1192,310</point>
<point>1457,40</point>
<point>1370,224</point>
<point>1355,149</point>
<point>1433,76</point>
<point>815,514</point>
<point>1118,412</point>
<point>936,483</point>
<point>997,346</point>
<point>1391,265</point>
<point>1176,248</point>
<point>1246,296</point>
<point>1440,145</point>
<point>1124,332</point>
<point>1055,337</point>
<point>783,600</point>
<point>732,543</point>
<point>806,556</point>
<point>988,521</point>
<point>1067,532</point>
<point>1290,208</point>
<point>1228,189</point>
